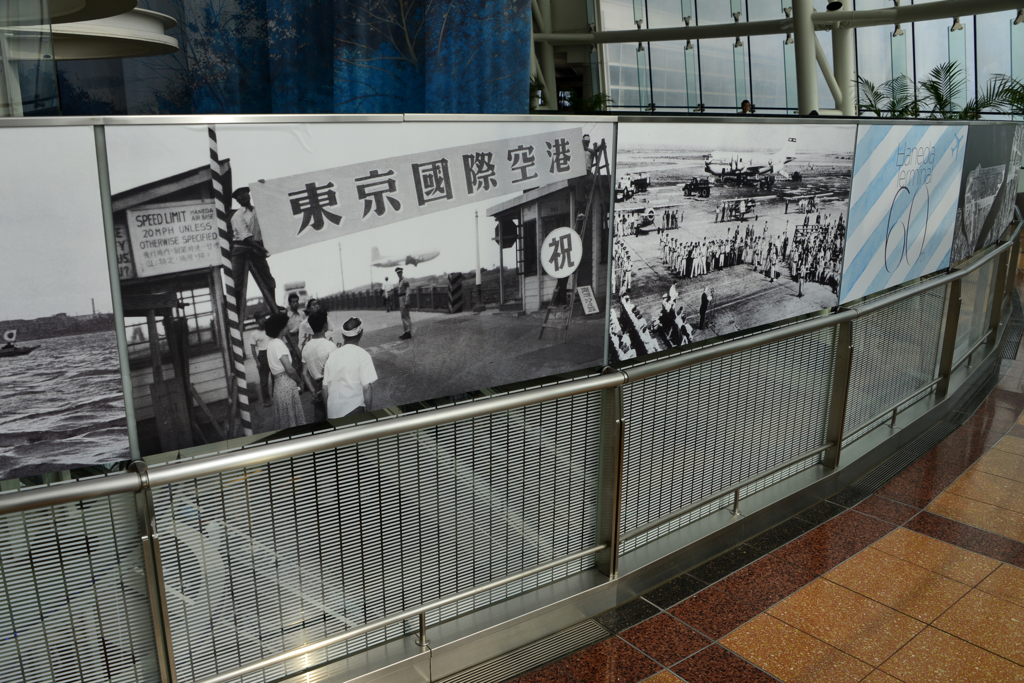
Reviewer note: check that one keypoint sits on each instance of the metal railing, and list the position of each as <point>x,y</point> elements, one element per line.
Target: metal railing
<point>142,480</point>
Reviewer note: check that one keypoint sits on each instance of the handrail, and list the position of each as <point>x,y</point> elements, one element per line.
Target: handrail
<point>401,616</point>
<point>735,488</point>
<point>128,482</point>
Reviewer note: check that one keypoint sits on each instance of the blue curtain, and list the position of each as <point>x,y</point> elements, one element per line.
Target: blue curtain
<point>319,56</point>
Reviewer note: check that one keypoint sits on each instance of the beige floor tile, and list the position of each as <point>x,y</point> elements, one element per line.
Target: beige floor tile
<point>937,657</point>
<point>982,515</point>
<point>991,489</point>
<point>1011,444</point>
<point>1007,583</point>
<point>857,625</point>
<point>935,555</point>
<point>1002,464</point>
<point>791,655</point>
<point>899,584</point>
<point>664,677</point>
<point>988,622</point>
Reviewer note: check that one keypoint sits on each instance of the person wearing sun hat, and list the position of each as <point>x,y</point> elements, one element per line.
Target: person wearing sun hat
<point>349,374</point>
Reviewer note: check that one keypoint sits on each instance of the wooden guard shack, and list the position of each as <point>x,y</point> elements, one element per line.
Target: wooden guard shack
<point>168,255</point>
<point>526,220</point>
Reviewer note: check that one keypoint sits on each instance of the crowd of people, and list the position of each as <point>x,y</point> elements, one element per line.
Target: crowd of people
<point>298,350</point>
<point>813,255</point>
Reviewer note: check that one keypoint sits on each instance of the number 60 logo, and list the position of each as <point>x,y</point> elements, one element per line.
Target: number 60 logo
<point>902,250</point>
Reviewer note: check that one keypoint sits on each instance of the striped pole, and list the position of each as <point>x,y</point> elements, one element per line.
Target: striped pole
<point>230,301</point>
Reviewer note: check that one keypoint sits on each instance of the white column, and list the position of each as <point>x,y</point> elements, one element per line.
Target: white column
<point>844,61</point>
<point>806,68</point>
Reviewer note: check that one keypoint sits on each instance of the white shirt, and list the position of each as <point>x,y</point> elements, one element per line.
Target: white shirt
<point>245,224</point>
<point>306,331</point>
<point>260,340</point>
<point>347,371</point>
<point>314,355</point>
<point>275,350</point>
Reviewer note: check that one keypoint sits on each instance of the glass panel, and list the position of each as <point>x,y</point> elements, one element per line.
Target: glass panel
<point>28,72</point>
<point>767,80</point>
<point>622,78</point>
<point>717,81</point>
<point>993,54</point>
<point>789,58</point>
<point>713,12</point>
<point>787,5</point>
<point>899,54</point>
<point>1017,51</point>
<point>690,54</point>
<point>663,14</point>
<point>616,15</point>
<point>739,71</point>
<point>686,6</point>
<point>590,11</point>
<point>642,78</point>
<point>638,12</point>
<point>958,56</point>
<point>668,74</point>
<point>825,99</point>
<point>737,8</point>
<point>763,10</point>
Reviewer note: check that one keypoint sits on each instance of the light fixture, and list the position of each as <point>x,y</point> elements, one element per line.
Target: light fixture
<point>833,6</point>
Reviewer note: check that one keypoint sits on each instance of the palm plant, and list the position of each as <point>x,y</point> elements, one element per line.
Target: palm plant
<point>895,98</point>
<point>937,94</point>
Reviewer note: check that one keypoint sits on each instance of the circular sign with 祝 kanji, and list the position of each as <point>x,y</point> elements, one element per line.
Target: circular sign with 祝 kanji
<point>561,252</point>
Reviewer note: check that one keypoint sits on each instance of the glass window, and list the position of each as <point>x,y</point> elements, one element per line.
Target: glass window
<point>717,81</point>
<point>767,80</point>
<point>713,12</point>
<point>28,71</point>
<point>668,74</point>
<point>994,48</point>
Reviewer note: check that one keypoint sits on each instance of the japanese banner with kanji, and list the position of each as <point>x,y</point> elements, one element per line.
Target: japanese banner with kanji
<point>304,209</point>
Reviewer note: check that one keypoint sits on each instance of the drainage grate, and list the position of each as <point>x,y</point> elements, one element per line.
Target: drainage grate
<point>1014,329</point>
<point>533,655</point>
<point>873,480</point>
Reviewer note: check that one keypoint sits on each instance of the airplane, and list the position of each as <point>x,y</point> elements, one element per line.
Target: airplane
<point>736,170</point>
<point>407,260</point>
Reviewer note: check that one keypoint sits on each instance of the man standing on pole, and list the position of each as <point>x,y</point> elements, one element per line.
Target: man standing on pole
<point>403,304</point>
<point>249,255</point>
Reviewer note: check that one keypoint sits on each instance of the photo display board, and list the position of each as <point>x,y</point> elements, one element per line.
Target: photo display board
<point>63,403</point>
<point>724,227</point>
<point>988,188</point>
<point>903,205</point>
<point>380,226</point>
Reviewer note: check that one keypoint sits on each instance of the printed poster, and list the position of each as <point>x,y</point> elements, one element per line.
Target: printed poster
<point>903,206</point>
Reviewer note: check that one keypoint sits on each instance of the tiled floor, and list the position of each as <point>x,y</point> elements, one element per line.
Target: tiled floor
<point>922,582</point>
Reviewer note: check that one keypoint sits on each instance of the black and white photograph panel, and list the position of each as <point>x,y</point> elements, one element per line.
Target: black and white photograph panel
<point>62,405</point>
<point>724,227</point>
<point>289,274</point>
<point>992,161</point>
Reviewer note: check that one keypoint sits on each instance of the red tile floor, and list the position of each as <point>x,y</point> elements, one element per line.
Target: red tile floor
<point>922,582</point>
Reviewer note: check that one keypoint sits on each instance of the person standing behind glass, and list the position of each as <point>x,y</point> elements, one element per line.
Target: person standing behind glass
<point>288,411</point>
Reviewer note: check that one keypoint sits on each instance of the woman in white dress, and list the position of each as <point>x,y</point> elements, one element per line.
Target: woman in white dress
<point>288,410</point>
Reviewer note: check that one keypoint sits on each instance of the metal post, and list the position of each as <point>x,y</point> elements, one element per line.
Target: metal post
<point>840,391</point>
<point>949,339</point>
<point>421,635</point>
<point>609,506</point>
<point>154,574</point>
<point>806,68</point>
<point>546,58</point>
<point>1011,271</point>
<point>844,60</point>
<point>997,296</point>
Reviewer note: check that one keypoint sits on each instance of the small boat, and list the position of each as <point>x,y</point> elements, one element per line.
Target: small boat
<point>9,349</point>
<point>16,351</point>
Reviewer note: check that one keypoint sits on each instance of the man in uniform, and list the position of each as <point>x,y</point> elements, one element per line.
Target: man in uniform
<point>249,255</point>
<point>403,304</point>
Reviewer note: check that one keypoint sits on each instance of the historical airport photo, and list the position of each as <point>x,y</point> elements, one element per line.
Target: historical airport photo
<point>720,229</point>
<point>63,403</point>
<point>290,275</point>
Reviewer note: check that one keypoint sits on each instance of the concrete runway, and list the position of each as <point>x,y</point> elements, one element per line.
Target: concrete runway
<point>453,354</point>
